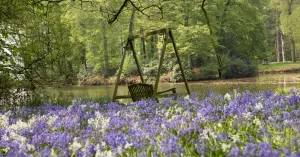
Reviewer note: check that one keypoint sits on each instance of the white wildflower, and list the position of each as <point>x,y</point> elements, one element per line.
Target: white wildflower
<point>258,106</point>
<point>119,149</point>
<point>75,146</point>
<point>247,115</point>
<point>33,119</point>
<point>30,147</point>
<point>103,144</point>
<point>201,117</point>
<point>178,109</point>
<point>277,139</point>
<point>135,125</point>
<point>83,106</point>
<point>107,153</point>
<point>235,138</point>
<point>100,122</point>
<point>187,97</point>
<point>270,118</point>
<point>287,122</point>
<point>4,137</point>
<point>227,97</point>
<point>51,120</point>
<point>257,122</point>
<point>19,125</point>
<point>207,133</point>
<point>117,114</point>
<point>4,121</point>
<point>184,124</point>
<point>72,105</point>
<point>226,147</point>
<point>186,113</point>
<point>6,150</point>
<point>127,145</point>
<point>53,153</point>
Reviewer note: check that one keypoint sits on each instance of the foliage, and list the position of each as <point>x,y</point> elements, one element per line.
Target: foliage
<point>61,42</point>
<point>150,69</point>
<point>288,24</point>
<point>129,67</point>
<point>177,75</point>
<point>207,72</point>
<point>237,68</point>
<point>236,124</point>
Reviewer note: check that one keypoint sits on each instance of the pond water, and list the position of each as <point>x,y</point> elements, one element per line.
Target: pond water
<point>260,83</point>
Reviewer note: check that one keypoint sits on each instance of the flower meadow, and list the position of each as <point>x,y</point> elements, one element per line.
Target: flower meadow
<point>237,124</point>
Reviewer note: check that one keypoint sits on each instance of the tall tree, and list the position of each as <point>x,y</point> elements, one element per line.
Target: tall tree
<point>277,45</point>
<point>282,45</point>
<point>288,21</point>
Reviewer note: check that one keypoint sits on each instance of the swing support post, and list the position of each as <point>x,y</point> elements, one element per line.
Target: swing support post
<point>179,62</point>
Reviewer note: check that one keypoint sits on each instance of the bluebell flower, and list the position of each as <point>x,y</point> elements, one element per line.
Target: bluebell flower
<point>235,152</point>
<point>2,132</point>
<point>91,150</point>
<point>201,147</point>
<point>250,150</point>
<point>169,145</point>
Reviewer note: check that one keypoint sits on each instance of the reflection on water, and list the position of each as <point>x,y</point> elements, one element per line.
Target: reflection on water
<point>255,84</point>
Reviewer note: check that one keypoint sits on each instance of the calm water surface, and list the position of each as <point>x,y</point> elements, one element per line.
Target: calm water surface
<point>260,83</point>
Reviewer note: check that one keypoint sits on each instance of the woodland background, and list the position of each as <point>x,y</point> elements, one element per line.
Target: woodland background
<point>67,42</point>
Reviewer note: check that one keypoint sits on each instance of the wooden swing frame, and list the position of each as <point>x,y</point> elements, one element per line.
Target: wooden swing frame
<point>129,46</point>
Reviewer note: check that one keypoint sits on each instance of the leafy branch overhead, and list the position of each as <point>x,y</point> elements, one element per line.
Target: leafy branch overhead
<point>112,15</point>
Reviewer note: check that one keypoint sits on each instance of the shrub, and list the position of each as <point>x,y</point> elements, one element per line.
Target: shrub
<point>94,81</point>
<point>177,75</point>
<point>208,71</point>
<point>236,68</point>
<point>150,69</point>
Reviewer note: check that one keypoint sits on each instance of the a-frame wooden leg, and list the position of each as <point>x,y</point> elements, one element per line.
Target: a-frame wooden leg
<point>179,62</point>
<point>119,74</point>
<point>136,60</point>
<point>160,63</point>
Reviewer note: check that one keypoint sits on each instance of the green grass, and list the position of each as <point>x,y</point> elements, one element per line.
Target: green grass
<point>277,66</point>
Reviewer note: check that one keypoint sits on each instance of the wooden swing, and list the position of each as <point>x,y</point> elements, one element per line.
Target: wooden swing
<point>141,90</point>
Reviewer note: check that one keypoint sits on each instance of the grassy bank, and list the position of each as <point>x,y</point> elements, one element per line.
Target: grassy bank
<point>274,67</point>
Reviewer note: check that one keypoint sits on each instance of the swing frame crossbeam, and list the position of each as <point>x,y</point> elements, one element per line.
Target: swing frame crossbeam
<point>167,32</point>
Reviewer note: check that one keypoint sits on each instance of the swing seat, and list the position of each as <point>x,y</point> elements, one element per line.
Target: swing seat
<point>145,91</point>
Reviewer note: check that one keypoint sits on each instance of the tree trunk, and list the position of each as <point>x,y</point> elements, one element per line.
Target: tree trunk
<point>282,46</point>
<point>105,49</point>
<point>277,45</point>
<point>187,9</point>
<point>290,3</point>
<point>152,46</point>
<point>143,45</point>
<point>83,55</point>
<point>293,53</point>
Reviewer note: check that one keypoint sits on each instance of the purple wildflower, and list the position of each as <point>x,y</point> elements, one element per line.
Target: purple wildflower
<point>235,152</point>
